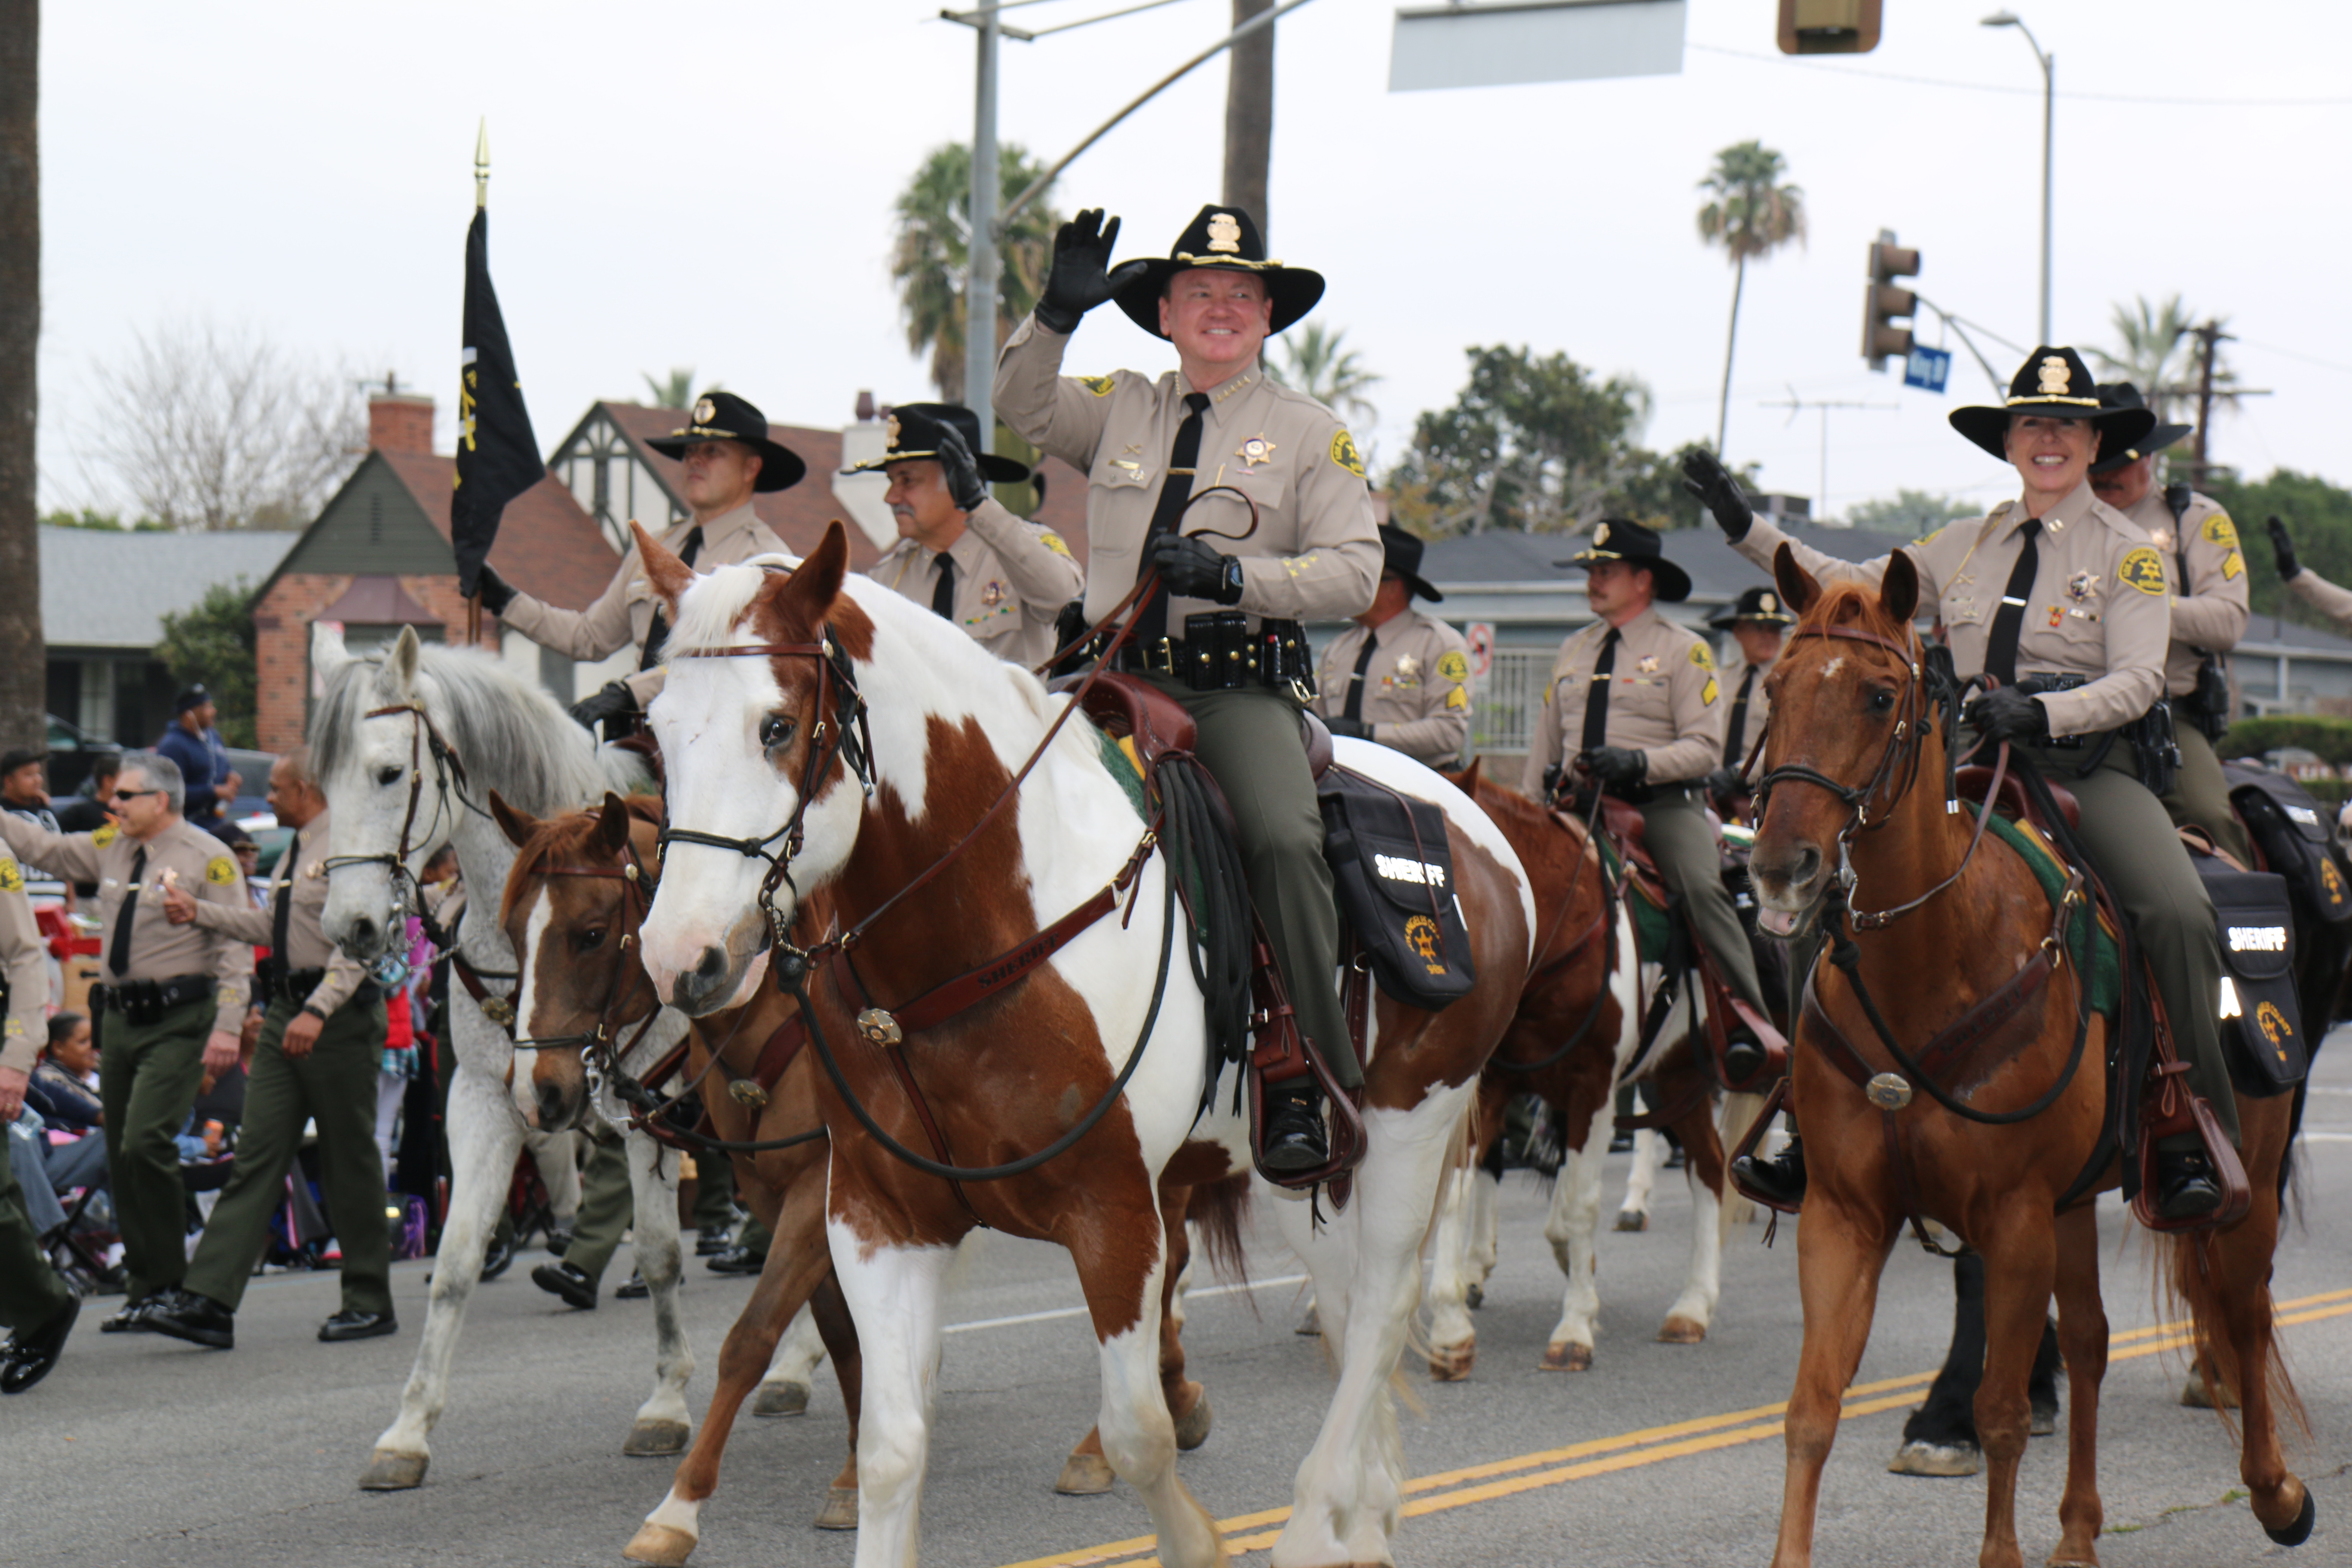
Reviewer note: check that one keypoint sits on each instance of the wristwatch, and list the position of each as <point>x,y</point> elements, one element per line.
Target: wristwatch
<point>1229,591</point>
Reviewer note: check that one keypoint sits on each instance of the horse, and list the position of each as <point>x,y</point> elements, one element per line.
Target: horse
<point>1571,1041</point>
<point>405,743</point>
<point>1845,815</point>
<point>820,733</point>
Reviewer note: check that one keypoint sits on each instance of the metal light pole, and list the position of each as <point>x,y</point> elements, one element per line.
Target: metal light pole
<point>2049,114</point>
<point>981,280</point>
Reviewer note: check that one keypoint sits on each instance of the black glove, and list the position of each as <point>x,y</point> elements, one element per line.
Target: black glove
<point>1618,765</point>
<point>1354,729</point>
<point>1189,569</point>
<point>1723,784</point>
<point>961,470</point>
<point>495,592</point>
<point>614,701</point>
<point>2282,546</point>
<point>1081,277</point>
<point>2005,713</point>
<point>1717,491</point>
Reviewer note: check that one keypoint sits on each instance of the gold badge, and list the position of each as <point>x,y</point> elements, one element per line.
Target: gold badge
<point>1344,453</point>
<point>1646,665</point>
<point>1408,671</point>
<point>2056,379</point>
<point>1768,605</point>
<point>1224,234</point>
<point>1599,536</point>
<point>1700,657</point>
<point>2080,586</point>
<point>1458,699</point>
<point>2233,564</point>
<point>993,594</point>
<point>1453,666</point>
<point>890,434</point>
<point>1421,934</point>
<point>220,871</point>
<point>1255,450</point>
<point>1100,385</point>
<point>11,876</point>
<point>705,412</point>
<point>2274,1028</point>
<point>103,834</point>
<point>2144,569</point>
<point>2219,529</point>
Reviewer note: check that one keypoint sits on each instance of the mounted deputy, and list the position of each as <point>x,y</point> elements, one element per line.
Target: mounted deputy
<point>1757,621</point>
<point>1399,677</point>
<point>1252,448</point>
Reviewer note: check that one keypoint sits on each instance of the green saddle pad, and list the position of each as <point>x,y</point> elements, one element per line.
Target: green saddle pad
<point>2090,946</point>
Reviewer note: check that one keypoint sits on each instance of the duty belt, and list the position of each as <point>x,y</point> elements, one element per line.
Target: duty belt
<point>271,985</point>
<point>144,1001</point>
<point>1219,652</point>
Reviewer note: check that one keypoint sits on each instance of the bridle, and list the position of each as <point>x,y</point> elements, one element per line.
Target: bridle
<point>599,1046</point>
<point>449,782</point>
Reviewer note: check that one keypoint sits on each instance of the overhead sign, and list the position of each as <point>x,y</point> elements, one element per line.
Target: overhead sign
<point>1503,42</point>
<point>1480,635</point>
<point>1927,369</point>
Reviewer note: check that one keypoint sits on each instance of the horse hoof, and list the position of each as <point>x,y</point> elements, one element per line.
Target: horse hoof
<point>1451,1363</point>
<point>2198,1395</point>
<point>654,1439</point>
<point>1680,1331</point>
<point>1632,1219</point>
<point>1310,1324</point>
<point>1918,1458</point>
<point>1085,1475</point>
<point>1476,1296</point>
<point>781,1399</point>
<point>2299,1532</point>
<point>2043,1420</point>
<point>840,1510</point>
<point>1192,1426</point>
<point>658,1544</point>
<point>1567,1358</point>
<point>391,1472</point>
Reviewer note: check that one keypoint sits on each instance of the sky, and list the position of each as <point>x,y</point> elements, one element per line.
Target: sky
<point>682,187</point>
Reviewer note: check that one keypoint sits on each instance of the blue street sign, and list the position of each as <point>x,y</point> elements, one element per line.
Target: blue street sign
<point>1927,369</point>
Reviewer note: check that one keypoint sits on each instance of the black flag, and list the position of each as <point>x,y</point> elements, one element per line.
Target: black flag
<point>498,457</point>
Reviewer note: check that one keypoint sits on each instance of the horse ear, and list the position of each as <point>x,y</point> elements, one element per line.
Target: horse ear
<point>1898,589</point>
<point>611,825</point>
<point>518,826</point>
<point>399,677</point>
<point>670,576</point>
<point>329,656</point>
<point>809,593</point>
<point>1466,781</point>
<point>1797,585</point>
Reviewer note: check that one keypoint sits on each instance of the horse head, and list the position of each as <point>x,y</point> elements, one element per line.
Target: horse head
<point>378,781</point>
<point>1847,719</point>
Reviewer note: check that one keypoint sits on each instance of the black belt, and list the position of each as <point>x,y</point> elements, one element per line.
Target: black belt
<point>152,996</point>
<point>1219,652</point>
<point>296,986</point>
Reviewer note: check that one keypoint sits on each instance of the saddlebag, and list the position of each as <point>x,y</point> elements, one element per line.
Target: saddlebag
<point>2295,832</point>
<point>1394,874</point>
<point>2261,1023</point>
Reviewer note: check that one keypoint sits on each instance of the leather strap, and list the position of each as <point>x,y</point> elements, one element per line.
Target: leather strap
<point>498,1010</point>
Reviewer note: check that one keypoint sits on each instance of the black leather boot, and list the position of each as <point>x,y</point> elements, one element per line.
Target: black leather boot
<point>567,1281</point>
<point>1780,1178</point>
<point>2185,1185</point>
<point>1295,1139</point>
<point>199,1320</point>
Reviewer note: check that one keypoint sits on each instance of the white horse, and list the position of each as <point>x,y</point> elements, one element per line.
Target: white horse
<point>747,744</point>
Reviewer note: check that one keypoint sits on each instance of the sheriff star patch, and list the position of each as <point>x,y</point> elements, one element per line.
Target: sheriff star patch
<point>1453,666</point>
<point>1344,453</point>
<point>220,871</point>
<point>1100,385</point>
<point>2143,568</point>
<point>11,876</point>
<point>2219,529</point>
<point>1700,657</point>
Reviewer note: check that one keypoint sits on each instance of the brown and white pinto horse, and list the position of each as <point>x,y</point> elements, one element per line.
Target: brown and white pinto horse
<point>1854,767</point>
<point>824,733</point>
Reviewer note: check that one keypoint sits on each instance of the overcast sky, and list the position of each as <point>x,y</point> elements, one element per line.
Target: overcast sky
<point>682,186</point>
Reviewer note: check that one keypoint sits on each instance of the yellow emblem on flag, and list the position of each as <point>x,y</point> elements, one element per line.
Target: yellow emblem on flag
<point>1344,453</point>
<point>104,835</point>
<point>1455,666</point>
<point>2233,564</point>
<point>1458,699</point>
<point>2144,569</point>
<point>11,876</point>
<point>220,871</point>
<point>2219,529</point>
<point>1100,385</point>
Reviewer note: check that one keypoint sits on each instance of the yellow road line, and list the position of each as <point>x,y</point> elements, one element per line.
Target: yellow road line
<point>1647,1446</point>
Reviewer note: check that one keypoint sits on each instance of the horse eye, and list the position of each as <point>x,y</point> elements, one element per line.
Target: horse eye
<point>775,730</point>
<point>1882,701</point>
<point>388,776</point>
<point>590,940</point>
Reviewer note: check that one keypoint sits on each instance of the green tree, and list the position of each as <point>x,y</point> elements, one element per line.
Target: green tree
<point>675,390</point>
<point>1911,513</point>
<point>2317,512</point>
<point>1318,363</point>
<point>214,643</point>
<point>1751,216</point>
<point>933,249</point>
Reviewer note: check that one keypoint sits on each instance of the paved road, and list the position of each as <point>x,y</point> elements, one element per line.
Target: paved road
<point>141,1451</point>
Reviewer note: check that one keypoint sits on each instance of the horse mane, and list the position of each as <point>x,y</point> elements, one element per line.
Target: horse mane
<point>557,839</point>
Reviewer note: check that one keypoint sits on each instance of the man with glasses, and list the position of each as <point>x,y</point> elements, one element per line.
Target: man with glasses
<point>171,1008</point>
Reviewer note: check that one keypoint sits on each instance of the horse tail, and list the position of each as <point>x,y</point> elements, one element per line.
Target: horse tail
<point>2189,1281</point>
<point>1218,1211</point>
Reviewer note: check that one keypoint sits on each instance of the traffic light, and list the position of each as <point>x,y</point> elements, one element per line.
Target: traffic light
<point>1881,338</point>
<point>1829,27</point>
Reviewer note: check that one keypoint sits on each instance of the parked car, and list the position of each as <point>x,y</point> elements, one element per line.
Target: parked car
<point>71,754</point>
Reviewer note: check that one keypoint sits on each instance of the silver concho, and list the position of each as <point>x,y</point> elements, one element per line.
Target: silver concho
<point>746,1092</point>
<point>1888,1092</point>
<point>879,1027</point>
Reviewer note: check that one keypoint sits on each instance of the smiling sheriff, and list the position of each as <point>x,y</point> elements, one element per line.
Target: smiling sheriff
<point>1399,677</point>
<point>2062,605</point>
<point>1248,497</point>
<point>1000,577</point>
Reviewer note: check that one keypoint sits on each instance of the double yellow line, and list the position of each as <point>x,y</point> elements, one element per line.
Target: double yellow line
<point>1648,1445</point>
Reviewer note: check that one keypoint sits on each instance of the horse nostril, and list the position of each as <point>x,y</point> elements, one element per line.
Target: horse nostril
<point>713,964</point>
<point>364,933</point>
<point>1806,867</point>
<point>551,1104</point>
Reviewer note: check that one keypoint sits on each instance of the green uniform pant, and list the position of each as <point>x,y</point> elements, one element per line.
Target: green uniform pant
<point>754,1237</point>
<point>2201,795</point>
<point>1249,741</point>
<point>147,1078</point>
<point>334,1086</point>
<point>1684,844</point>
<point>714,1190</point>
<point>2132,845</point>
<point>31,1294</point>
<point>607,1205</point>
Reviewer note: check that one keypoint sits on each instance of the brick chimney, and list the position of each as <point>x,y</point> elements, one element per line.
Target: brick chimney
<point>400,422</point>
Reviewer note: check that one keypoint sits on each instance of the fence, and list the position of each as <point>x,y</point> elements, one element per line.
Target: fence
<point>1506,699</point>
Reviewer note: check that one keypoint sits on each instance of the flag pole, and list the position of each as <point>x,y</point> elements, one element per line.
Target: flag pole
<point>481,200</point>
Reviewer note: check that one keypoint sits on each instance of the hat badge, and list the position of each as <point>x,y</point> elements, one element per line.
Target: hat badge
<point>705,412</point>
<point>891,433</point>
<point>1224,234</point>
<point>1599,536</point>
<point>2056,380</point>
<point>1764,602</point>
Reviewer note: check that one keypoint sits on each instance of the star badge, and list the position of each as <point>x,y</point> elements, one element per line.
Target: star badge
<point>1255,450</point>
<point>1408,668</point>
<point>1648,665</point>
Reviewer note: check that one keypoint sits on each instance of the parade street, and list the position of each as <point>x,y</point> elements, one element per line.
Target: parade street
<point>149,1452</point>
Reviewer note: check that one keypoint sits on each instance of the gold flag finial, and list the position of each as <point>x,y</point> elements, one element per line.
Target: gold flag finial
<point>482,163</point>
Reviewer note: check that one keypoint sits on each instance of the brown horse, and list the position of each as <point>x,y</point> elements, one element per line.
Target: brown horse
<point>1854,765</point>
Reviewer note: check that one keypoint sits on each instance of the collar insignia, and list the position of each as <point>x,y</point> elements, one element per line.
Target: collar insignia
<point>1224,234</point>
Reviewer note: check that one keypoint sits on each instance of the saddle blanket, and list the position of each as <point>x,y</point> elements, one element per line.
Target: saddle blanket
<point>2091,944</point>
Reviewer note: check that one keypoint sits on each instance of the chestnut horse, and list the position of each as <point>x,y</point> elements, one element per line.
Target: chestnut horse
<point>822,733</point>
<point>1853,775</point>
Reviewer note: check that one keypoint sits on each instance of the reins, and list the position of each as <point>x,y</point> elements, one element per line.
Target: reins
<point>422,735</point>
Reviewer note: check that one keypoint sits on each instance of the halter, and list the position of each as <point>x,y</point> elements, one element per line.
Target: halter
<point>638,888</point>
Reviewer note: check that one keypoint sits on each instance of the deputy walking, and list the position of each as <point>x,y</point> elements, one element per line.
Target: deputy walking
<point>1397,676</point>
<point>316,1063</point>
<point>170,1009</point>
<point>1001,578</point>
<point>36,1306</point>
<point>1248,499</point>
<point>2062,602</point>
<point>1757,622</point>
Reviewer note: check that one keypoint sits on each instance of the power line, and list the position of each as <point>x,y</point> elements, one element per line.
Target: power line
<point>2165,101</point>
<point>2291,354</point>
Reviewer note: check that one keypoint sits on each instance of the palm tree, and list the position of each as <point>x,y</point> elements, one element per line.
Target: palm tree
<point>1751,216</point>
<point>675,390</point>
<point>2157,353</point>
<point>1318,363</point>
<point>933,249</point>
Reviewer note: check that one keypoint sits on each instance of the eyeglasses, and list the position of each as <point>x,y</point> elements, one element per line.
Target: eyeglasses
<point>124,795</point>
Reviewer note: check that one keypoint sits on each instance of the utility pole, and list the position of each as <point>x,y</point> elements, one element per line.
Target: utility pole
<point>982,279</point>
<point>1249,116</point>
<point>2209,336</point>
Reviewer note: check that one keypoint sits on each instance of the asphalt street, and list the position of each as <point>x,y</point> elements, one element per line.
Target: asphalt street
<point>141,1451</point>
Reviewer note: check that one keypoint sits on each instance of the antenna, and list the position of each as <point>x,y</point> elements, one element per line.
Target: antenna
<point>1796,405</point>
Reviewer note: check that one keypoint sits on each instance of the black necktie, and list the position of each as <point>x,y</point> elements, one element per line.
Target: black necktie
<point>943,591</point>
<point>1175,491</point>
<point>1596,694</point>
<point>2000,649</point>
<point>1355,708</point>
<point>283,915</point>
<point>1734,744</point>
<point>118,951</point>
<point>658,632</point>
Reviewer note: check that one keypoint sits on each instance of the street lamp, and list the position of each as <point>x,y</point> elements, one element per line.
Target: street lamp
<point>2049,104</point>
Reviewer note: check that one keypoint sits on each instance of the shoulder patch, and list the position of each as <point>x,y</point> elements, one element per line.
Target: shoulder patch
<point>1052,541</point>
<point>2143,568</point>
<point>1710,692</point>
<point>2233,564</point>
<point>1458,699</point>
<point>1700,657</point>
<point>220,871</point>
<point>2219,529</point>
<point>1100,385</point>
<point>11,876</point>
<point>1344,453</point>
<point>1453,666</point>
<point>105,834</point>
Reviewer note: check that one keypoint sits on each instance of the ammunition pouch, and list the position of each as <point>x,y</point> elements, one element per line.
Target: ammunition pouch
<point>144,1002</point>
<point>1219,652</point>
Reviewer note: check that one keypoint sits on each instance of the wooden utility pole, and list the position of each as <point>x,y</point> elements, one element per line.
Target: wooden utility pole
<point>24,663</point>
<point>2208,337</point>
<point>1249,116</point>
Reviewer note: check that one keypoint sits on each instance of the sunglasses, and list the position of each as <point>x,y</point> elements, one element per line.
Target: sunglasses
<point>122,794</point>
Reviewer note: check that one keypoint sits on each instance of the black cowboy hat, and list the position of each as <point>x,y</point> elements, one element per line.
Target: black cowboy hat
<point>1763,604</point>
<point>1227,239</point>
<point>723,417</point>
<point>914,432</point>
<point>1401,555</point>
<point>1621,539</point>
<point>2124,395</point>
<point>2055,383</point>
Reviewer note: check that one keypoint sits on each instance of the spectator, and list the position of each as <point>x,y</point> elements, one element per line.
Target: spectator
<point>87,812</point>
<point>193,743</point>
<point>25,792</point>
<point>65,1091</point>
<point>248,860</point>
<point>36,1305</point>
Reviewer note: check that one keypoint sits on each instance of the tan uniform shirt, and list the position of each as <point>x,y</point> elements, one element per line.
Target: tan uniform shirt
<point>25,967</point>
<point>181,853</point>
<point>623,612</point>
<point>2210,612</point>
<point>1416,688</point>
<point>1011,578</point>
<point>1665,700</point>
<point>2322,595</point>
<point>2099,605</point>
<point>1759,708</point>
<point>1317,552</point>
<point>302,870</point>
